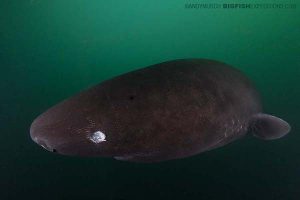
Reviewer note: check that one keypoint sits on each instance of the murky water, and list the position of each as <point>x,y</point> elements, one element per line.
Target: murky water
<point>50,50</point>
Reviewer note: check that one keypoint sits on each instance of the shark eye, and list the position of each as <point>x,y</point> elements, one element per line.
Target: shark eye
<point>97,137</point>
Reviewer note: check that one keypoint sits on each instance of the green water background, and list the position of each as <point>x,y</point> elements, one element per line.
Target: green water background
<point>50,50</point>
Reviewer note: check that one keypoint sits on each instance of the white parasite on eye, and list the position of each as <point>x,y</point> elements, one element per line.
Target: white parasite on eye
<point>97,137</point>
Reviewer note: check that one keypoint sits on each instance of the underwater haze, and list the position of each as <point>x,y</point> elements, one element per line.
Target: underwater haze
<point>53,49</point>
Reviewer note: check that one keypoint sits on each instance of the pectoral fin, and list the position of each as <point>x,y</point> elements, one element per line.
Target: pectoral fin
<point>268,127</point>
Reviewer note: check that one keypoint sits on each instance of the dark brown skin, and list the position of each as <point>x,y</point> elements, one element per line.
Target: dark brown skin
<point>166,111</point>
